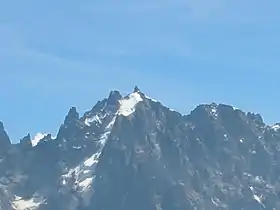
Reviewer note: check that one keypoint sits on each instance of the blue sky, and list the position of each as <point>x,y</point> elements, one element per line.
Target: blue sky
<point>58,54</point>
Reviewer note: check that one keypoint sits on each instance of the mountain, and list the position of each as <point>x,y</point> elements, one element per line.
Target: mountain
<point>133,152</point>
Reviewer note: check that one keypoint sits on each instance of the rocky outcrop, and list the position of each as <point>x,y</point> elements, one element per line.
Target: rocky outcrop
<point>134,153</point>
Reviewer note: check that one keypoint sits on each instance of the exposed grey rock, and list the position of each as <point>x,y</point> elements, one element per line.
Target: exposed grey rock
<point>4,139</point>
<point>134,153</point>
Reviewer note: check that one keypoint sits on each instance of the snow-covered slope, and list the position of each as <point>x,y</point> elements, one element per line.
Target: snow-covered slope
<point>128,104</point>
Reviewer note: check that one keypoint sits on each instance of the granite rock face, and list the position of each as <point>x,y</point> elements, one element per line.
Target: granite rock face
<point>4,140</point>
<point>134,153</point>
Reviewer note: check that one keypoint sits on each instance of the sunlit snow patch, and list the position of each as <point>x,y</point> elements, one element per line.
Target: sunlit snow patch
<point>92,160</point>
<point>276,127</point>
<point>216,201</point>
<point>90,120</point>
<point>77,147</point>
<point>128,104</point>
<point>259,199</point>
<point>214,112</point>
<point>21,204</point>
<point>85,183</point>
<point>37,138</point>
<point>84,174</point>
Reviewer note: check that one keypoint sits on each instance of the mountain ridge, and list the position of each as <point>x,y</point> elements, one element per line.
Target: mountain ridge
<point>136,88</point>
<point>133,152</point>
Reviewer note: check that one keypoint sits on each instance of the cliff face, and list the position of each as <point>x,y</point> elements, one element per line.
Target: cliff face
<point>4,140</point>
<point>134,153</point>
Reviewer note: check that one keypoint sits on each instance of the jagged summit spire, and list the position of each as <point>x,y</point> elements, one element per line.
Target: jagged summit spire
<point>26,141</point>
<point>114,97</point>
<point>27,137</point>
<point>72,115</point>
<point>4,138</point>
<point>136,89</point>
<point>113,93</point>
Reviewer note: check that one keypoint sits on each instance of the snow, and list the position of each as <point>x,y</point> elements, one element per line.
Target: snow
<point>155,101</point>
<point>84,173</point>
<point>259,180</point>
<point>158,206</point>
<point>216,201</point>
<point>20,204</point>
<point>147,97</point>
<point>247,174</point>
<point>128,104</point>
<point>86,183</point>
<point>39,136</point>
<point>259,199</point>
<point>276,127</point>
<point>102,141</point>
<point>89,121</point>
<point>92,160</point>
<point>214,112</point>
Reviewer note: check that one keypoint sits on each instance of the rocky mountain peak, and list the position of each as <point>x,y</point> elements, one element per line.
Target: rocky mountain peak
<point>134,153</point>
<point>25,142</point>
<point>114,97</point>
<point>257,118</point>
<point>70,126</point>
<point>4,138</point>
<point>136,89</point>
<point>72,116</point>
<point>27,138</point>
